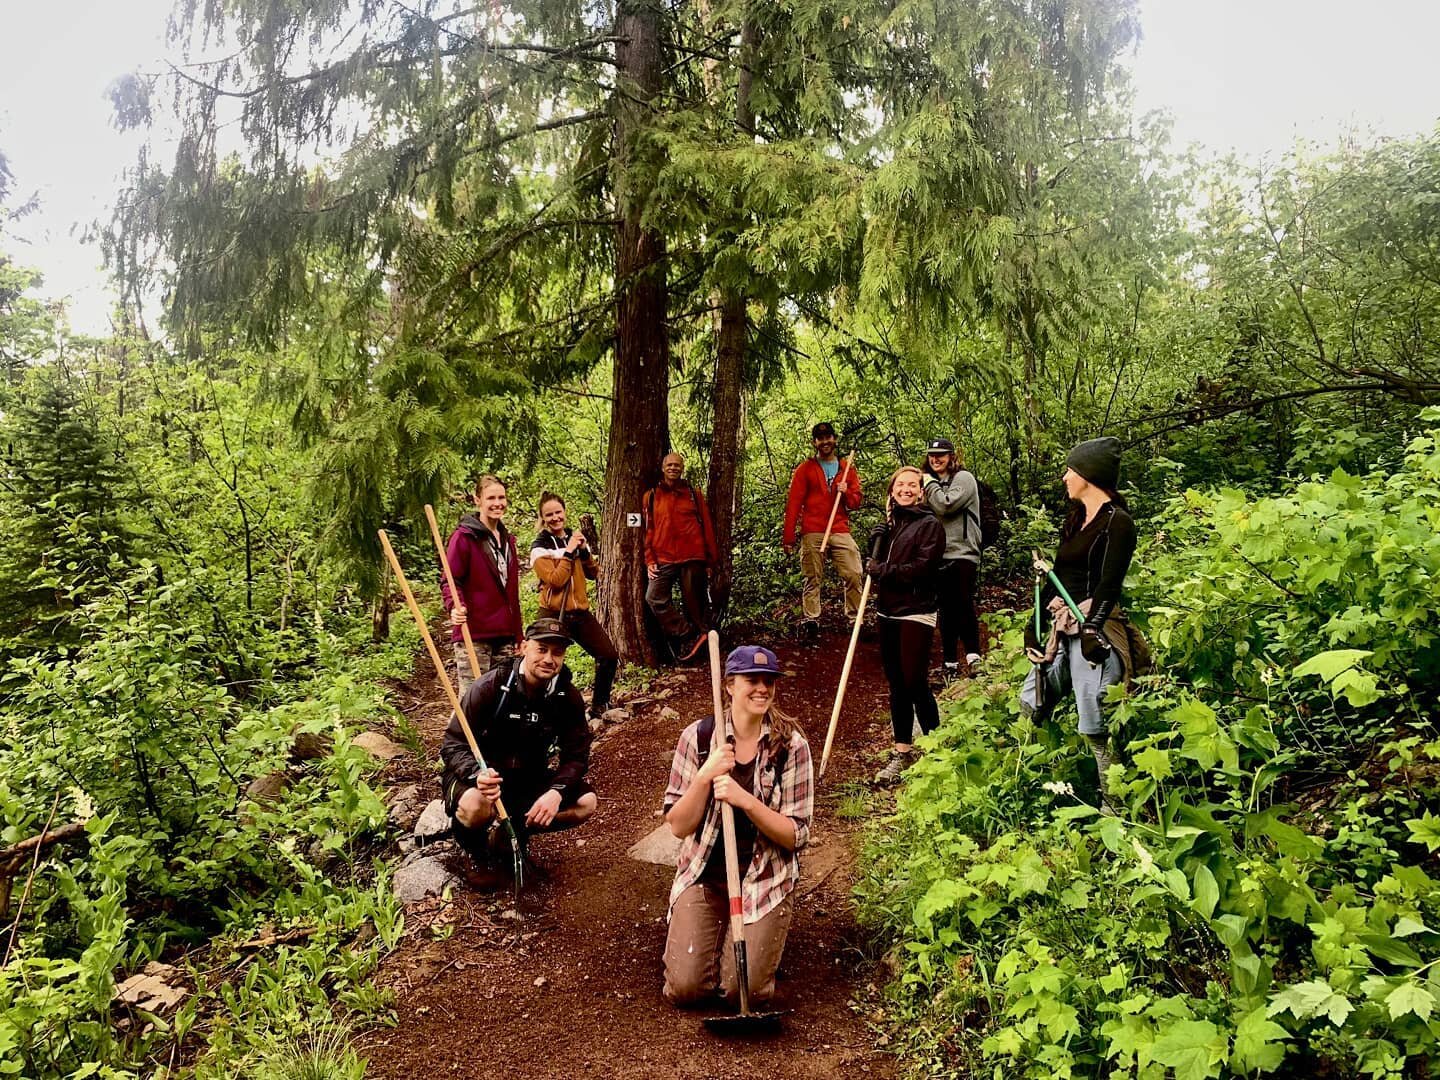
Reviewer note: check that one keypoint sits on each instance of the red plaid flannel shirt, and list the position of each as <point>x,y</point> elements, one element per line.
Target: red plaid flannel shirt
<point>773,871</point>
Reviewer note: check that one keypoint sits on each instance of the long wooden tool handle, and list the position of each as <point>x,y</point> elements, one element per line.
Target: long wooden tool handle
<point>454,592</point>
<point>844,678</point>
<point>835,506</point>
<point>440,676</point>
<point>727,827</point>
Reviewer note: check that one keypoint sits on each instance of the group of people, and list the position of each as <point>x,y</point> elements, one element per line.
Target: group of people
<point>529,718</point>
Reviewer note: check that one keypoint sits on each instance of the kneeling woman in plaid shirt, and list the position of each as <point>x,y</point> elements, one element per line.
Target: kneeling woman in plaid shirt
<point>764,771</point>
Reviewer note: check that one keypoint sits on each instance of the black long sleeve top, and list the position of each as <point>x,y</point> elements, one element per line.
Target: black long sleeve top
<point>1093,563</point>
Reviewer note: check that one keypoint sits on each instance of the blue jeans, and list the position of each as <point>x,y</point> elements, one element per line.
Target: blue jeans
<point>1071,671</point>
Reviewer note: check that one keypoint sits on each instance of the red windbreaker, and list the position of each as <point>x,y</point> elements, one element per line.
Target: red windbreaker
<point>677,526</point>
<point>812,496</point>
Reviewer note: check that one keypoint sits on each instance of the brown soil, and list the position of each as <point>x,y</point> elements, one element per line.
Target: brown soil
<point>575,989</point>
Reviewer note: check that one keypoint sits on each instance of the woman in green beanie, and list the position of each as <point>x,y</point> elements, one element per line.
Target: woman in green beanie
<point>1097,541</point>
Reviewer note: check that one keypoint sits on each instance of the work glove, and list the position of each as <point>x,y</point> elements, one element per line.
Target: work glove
<point>1032,640</point>
<point>878,535</point>
<point>1093,644</point>
<point>874,568</point>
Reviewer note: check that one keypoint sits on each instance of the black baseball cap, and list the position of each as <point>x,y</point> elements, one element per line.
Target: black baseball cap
<point>939,446</point>
<point>547,630</point>
<point>824,429</point>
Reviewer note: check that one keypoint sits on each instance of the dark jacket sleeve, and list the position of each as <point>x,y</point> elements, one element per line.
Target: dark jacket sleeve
<point>1117,548</point>
<point>920,556</point>
<point>574,738</point>
<point>478,701</point>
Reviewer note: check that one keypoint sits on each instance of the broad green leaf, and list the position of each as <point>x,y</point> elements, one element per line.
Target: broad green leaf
<point>1406,927</point>
<point>1207,892</point>
<point>1258,1042</point>
<point>1387,948</point>
<point>1195,1049</point>
<point>1410,997</point>
<point>1426,830</point>
<point>1330,665</point>
<point>1154,761</point>
<point>1313,998</point>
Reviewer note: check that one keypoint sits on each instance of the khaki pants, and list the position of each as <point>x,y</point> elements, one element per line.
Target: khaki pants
<point>700,957</point>
<point>844,553</point>
<point>489,652</point>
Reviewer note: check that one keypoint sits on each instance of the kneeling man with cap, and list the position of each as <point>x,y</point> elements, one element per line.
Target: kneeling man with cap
<point>518,711</point>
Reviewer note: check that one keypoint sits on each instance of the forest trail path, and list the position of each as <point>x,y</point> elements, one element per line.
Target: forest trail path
<point>574,990</point>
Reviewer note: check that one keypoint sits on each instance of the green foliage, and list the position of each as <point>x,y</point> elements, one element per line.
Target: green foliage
<point>1261,900</point>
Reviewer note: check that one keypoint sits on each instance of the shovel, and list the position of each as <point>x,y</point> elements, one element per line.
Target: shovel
<point>444,681</point>
<point>745,1022</point>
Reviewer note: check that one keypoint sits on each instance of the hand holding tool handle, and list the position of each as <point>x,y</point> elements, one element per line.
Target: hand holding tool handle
<point>440,675</point>
<point>835,507</point>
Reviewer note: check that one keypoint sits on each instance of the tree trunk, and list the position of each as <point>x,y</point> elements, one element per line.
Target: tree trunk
<point>640,411</point>
<point>725,447</point>
<point>729,399</point>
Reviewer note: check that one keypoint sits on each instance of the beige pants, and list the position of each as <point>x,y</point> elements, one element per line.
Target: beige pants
<point>700,957</point>
<point>844,553</point>
<point>489,652</point>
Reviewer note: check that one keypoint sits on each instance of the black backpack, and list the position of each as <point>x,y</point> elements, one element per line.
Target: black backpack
<point>989,514</point>
<point>988,519</point>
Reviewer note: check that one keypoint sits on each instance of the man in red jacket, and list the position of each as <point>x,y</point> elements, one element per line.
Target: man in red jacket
<point>487,572</point>
<point>813,488</point>
<point>679,547</point>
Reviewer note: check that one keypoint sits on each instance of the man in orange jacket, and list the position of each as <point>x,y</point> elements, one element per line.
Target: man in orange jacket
<point>679,547</point>
<point>813,488</point>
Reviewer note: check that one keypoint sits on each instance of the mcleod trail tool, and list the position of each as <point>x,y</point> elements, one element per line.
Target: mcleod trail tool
<point>1038,667</point>
<point>444,680</point>
<point>745,1022</point>
<point>844,678</point>
<point>854,434</point>
<point>1042,566</point>
<point>835,506</point>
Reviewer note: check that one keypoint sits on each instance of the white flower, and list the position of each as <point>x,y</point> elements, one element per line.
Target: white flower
<point>1058,787</point>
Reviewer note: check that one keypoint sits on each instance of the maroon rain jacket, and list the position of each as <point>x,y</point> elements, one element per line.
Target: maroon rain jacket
<point>492,606</point>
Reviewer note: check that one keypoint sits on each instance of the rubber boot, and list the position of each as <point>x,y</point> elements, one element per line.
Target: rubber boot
<point>1100,747</point>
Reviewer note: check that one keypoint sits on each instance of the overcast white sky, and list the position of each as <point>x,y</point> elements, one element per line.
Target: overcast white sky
<point>1249,75</point>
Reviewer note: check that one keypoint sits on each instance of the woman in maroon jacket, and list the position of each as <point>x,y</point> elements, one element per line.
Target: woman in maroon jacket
<point>487,572</point>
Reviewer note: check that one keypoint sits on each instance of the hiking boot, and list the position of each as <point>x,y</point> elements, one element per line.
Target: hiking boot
<point>899,761</point>
<point>950,671</point>
<point>972,661</point>
<point>694,647</point>
<point>810,630</point>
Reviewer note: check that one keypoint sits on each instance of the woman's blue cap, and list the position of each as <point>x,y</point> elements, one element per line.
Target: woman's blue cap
<point>752,660</point>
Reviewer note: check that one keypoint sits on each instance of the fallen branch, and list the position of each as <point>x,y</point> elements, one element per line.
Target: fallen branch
<point>14,857</point>
<point>264,941</point>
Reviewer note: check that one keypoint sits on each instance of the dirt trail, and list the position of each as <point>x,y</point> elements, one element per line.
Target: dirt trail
<point>575,990</point>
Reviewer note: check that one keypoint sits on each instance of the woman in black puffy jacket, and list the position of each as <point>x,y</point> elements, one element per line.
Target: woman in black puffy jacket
<point>905,558</point>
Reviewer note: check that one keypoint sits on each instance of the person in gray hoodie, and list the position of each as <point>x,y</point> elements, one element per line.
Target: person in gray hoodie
<point>952,493</point>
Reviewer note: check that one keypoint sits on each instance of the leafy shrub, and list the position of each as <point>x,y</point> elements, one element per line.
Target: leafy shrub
<point>1264,899</point>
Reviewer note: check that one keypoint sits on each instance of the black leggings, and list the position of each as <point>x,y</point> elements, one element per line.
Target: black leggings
<point>905,655</point>
<point>590,635</point>
<point>959,619</point>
